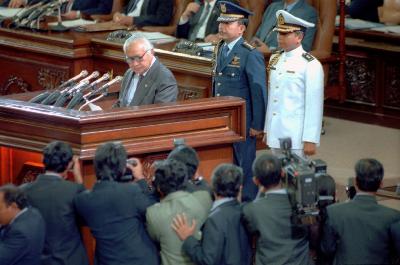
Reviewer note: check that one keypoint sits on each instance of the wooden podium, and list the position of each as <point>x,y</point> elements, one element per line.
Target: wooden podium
<point>209,125</point>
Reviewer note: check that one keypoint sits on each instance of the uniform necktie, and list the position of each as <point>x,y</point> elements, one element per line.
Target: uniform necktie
<point>224,52</point>
<point>204,14</point>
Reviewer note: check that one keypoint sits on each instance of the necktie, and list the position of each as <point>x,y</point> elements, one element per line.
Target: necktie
<point>202,20</point>
<point>224,52</point>
<point>133,89</point>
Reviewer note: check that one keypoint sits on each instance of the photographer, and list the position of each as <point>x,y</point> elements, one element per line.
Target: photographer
<point>115,211</point>
<point>354,228</point>
<point>270,216</point>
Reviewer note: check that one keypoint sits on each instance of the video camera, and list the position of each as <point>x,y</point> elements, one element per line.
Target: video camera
<point>300,180</point>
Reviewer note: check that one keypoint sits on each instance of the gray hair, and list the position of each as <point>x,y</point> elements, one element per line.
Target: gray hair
<point>138,37</point>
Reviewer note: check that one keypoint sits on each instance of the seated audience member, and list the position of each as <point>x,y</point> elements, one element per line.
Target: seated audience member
<point>358,231</point>
<point>53,196</point>
<point>364,9</point>
<point>389,13</point>
<point>224,240</point>
<point>326,196</point>
<point>77,8</point>
<point>266,38</point>
<point>199,21</point>
<point>140,13</point>
<point>21,229</point>
<point>269,216</point>
<point>115,211</point>
<point>188,156</point>
<point>147,81</point>
<point>170,176</point>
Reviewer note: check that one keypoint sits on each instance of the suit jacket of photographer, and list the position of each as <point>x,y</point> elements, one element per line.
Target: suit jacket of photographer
<point>22,241</point>
<point>301,10</point>
<point>269,216</point>
<point>53,197</point>
<point>159,219</point>
<point>152,13</point>
<point>224,239</point>
<point>115,214</point>
<point>158,86</point>
<point>358,231</point>
<point>183,31</point>
<point>91,7</point>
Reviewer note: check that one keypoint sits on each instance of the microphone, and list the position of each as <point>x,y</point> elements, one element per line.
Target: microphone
<point>64,95</point>
<point>73,79</point>
<point>117,79</point>
<point>93,85</point>
<point>39,98</point>
<point>79,95</point>
<point>103,87</point>
<point>86,81</point>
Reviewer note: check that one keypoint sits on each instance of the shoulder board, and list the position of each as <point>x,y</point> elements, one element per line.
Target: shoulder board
<point>308,56</point>
<point>278,52</point>
<point>248,45</point>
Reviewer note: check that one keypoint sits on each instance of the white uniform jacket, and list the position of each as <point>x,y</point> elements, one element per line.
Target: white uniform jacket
<point>295,99</point>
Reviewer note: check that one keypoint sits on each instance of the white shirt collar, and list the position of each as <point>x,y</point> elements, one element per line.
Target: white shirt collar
<point>152,62</point>
<point>279,191</point>
<point>232,43</point>
<point>221,201</point>
<point>295,52</point>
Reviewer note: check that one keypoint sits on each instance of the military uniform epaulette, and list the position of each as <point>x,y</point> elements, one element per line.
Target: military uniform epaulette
<point>308,56</point>
<point>248,46</point>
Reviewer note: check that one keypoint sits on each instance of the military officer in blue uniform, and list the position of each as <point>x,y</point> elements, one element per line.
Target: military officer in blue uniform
<point>295,90</point>
<point>239,71</point>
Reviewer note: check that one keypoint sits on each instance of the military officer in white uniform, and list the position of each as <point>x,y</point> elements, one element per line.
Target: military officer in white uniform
<point>295,102</point>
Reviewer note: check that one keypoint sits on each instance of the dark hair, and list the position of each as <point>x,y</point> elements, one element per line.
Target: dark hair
<point>326,185</point>
<point>226,180</point>
<point>267,169</point>
<point>188,156</point>
<point>110,161</point>
<point>12,193</point>
<point>170,175</point>
<point>243,21</point>
<point>369,174</point>
<point>56,156</point>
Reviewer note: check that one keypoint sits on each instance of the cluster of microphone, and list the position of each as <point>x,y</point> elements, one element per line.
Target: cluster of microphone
<point>78,90</point>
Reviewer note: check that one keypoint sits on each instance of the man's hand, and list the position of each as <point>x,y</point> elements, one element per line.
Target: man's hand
<point>309,148</point>
<point>71,15</point>
<point>254,132</point>
<point>260,45</point>
<point>17,3</point>
<point>191,9</point>
<point>214,38</point>
<point>182,228</point>
<point>136,167</point>
<point>122,19</point>
<point>76,170</point>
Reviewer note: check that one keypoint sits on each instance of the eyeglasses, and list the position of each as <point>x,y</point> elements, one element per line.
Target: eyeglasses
<point>136,59</point>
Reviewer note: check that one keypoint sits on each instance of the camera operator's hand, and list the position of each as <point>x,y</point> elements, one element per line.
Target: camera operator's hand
<point>136,167</point>
<point>76,170</point>
<point>309,148</point>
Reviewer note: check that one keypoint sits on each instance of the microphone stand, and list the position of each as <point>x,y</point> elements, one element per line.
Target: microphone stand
<point>59,27</point>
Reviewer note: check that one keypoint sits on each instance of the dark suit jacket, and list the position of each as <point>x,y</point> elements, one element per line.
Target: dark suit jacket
<point>184,30</point>
<point>358,231</point>
<point>224,239</point>
<point>53,197</point>
<point>364,9</point>
<point>115,213</point>
<point>153,13</point>
<point>21,243</point>
<point>269,217</point>
<point>301,9</point>
<point>158,86</point>
<point>90,7</point>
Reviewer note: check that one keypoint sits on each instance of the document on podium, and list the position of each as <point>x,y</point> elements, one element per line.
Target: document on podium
<point>388,29</point>
<point>351,23</point>
<point>74,23</point>
<point>157,37</point>
<point>9,12</point>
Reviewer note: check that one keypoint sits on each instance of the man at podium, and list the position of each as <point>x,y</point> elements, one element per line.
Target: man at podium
<point>147,81</point>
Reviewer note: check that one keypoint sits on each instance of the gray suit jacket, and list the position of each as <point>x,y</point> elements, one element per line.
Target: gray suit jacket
<point>158,86</point>
<point>269,217</point>
<point>301,10</point>
<point>159,219</point>
<point>358,231</point>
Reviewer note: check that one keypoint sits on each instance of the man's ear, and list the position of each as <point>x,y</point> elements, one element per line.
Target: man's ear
<point>256,181</point>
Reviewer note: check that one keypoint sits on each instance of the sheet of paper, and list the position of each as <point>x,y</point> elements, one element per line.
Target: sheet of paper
<point>351,23</point>
<point>74,23</point>
<point>156,37</point>
<point>388,29</point>
<point>9,12</point>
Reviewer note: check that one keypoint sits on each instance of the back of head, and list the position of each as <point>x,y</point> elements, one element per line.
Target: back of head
<point>369,174</point>
<point>226,180</point>
<point>268,170</point>
<point>56,156</point>
<point>13,194</point>
<point>110,161</point>
<point>170,176</point>
<point>188,156</point>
